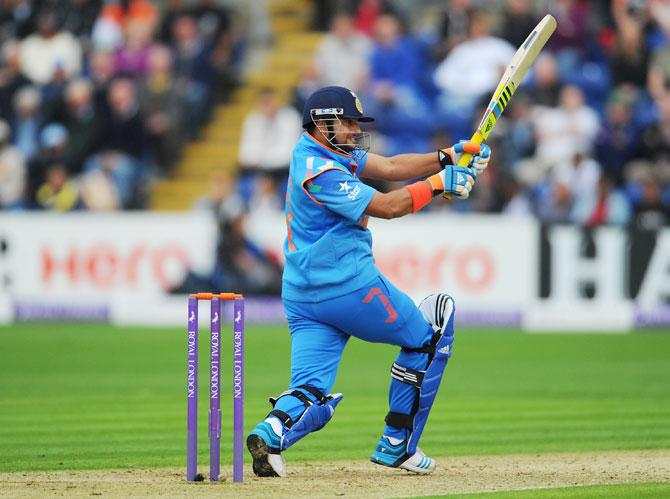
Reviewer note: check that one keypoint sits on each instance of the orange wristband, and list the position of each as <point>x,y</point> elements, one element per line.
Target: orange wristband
<point>421,194</point>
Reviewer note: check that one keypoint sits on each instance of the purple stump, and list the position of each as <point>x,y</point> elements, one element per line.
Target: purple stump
<point>192,391</point>
<point>238,389</point>
<point>214,392</point>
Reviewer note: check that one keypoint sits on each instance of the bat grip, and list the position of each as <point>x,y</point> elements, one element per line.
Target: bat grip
<point>466,157</point>
<point>464,161</point>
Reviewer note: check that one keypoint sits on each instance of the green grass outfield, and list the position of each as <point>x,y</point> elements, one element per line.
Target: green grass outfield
<point>637,490</point>
<point>92,396</point>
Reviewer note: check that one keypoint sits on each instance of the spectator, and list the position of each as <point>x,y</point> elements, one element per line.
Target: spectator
<point>367,13</point>
<point>458,100</point>
<point>544,86</point>
<point>555,203</point>
<point>11,78</point>
<point>27,120</point>
<point>84,122</point>
<point>132,58</point>
<point>79,17</point>
<point>309,83</point>
<point>12,172</point>
<point>50,54</point>
<point>240,264</point>
<point>101,72</point>
<point>267,207</point>
<point>125,130</point>
<point>342,56</point>
<point>519,140</point>
<point>658,75</point>
<point>403,110</point>
<point>629,60</point>
<point>513,199</point>
<point>268,135</point>
<point>655,143</point>
<point>606,206</point>
<point>580,174</point>
<point>227,49</point>
<point>194,72</point>
<point>518,21</point>
<point>563,131</point>
<point>618,140</point>
<point>221,200</point>
<point>571,37</point>
<point>162,109</point>
<point>214,21</point>
<point>453,28</point>
<point>59,192</point>
<point>114,176</point>
<point>651,212</point>
<point>108,29</point>
<point>171,11</point>
<point>53,150</point>
<point>98,192</point>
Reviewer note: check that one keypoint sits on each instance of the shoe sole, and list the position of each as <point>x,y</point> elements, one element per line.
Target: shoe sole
<point>260,451</point>
<point>402,465</point>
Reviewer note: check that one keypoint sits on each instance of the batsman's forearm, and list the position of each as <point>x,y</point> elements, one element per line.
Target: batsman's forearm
<point>409,166</point>
<point>389,205</point>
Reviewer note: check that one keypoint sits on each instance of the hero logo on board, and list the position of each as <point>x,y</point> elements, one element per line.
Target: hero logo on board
<point>102,266</point>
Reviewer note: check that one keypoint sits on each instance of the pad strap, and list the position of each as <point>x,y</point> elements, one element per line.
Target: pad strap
<point>283,417</point>
<point>407,375</point>
<point>318,395</point>
<point>294,393</point>
<point>429,349</point>
<point>399,420</point>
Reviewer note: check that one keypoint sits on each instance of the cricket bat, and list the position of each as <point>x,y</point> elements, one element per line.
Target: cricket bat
<point>511,79</point>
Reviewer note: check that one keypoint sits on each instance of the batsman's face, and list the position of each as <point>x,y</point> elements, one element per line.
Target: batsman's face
<point>346,131</point>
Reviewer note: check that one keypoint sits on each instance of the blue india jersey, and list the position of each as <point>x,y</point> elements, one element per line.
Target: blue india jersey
<point>328,248</point>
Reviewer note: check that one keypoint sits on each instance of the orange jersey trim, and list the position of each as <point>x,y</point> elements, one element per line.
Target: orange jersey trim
<point>316,175</point>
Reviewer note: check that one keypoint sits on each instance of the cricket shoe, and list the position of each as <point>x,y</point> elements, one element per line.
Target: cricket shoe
<point>264,443</point>
<point>392,452</point>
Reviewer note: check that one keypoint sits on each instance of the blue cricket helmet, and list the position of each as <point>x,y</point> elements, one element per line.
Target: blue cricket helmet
<point>330,102</point>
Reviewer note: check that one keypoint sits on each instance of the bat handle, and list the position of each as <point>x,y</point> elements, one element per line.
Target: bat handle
<point>466,157</point>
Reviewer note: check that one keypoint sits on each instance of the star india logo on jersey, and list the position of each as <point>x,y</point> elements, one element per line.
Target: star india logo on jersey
<point>344,186</point>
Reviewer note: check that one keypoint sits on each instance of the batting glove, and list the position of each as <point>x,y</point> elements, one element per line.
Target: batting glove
<point>481,154</point>
<point>453,180</point>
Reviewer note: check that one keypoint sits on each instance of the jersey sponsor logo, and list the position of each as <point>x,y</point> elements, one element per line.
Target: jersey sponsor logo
<point>355,191</point>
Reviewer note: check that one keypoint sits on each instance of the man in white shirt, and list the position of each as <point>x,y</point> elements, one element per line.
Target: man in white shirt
<point>484,58</point>
<point>268,136</point>
<point>342,56</point>
<point>49,51</point>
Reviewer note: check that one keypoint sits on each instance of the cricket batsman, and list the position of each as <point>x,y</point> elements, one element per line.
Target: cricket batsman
<point>332,290</point>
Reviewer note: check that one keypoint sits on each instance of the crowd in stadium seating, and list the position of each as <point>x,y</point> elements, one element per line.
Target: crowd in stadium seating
<point>585,140</point>
<point>97,97</point>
